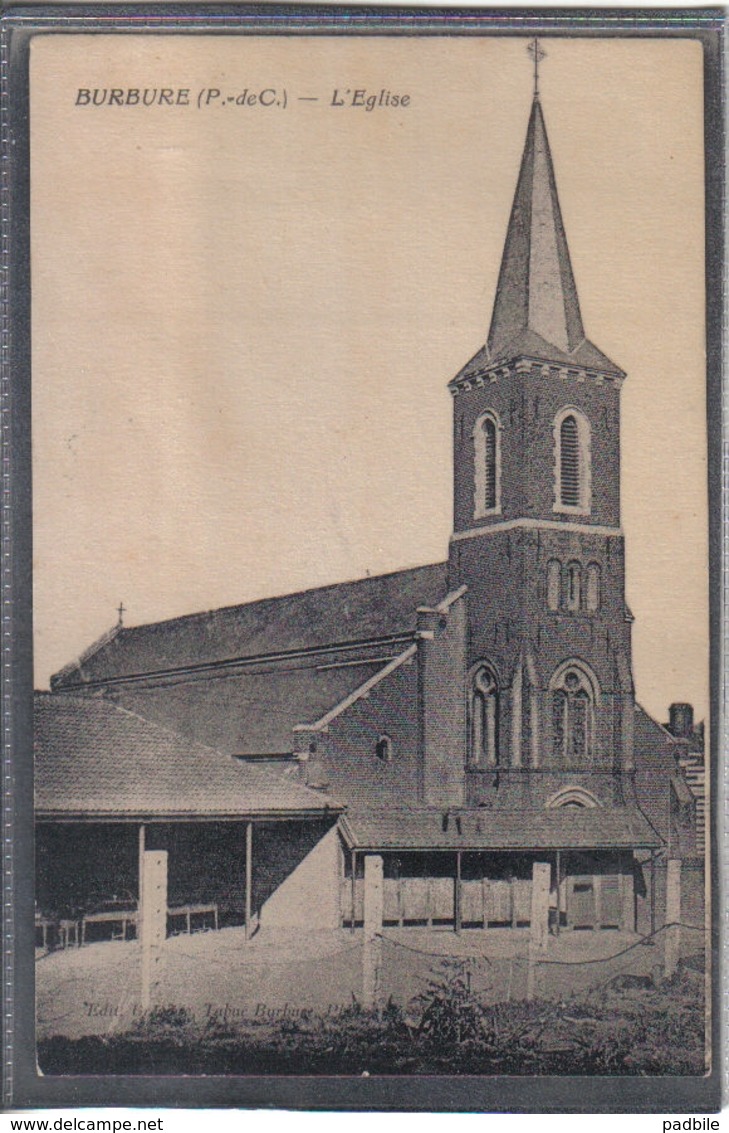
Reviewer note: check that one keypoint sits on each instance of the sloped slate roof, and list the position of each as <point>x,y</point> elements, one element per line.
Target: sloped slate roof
<point>379,607</point>
<point>248,713</point>
<point>96,760</point>
<point>564,828</point>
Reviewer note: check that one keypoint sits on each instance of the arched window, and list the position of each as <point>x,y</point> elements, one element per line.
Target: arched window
<point>572,467</point>
<point>487,465</point>
<point>569,455</point>
<point>592,588</point>
<point>573,586</point>
<point>572,718</point>
<point>484,713</point>
<point>572,797</point>
<point>383,749</point>
<point>554,583</point>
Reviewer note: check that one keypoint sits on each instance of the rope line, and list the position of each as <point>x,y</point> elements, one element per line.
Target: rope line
<point>565,963</point>
<point>636,944</point>
<point>435,955</point>
<point>270,963</point>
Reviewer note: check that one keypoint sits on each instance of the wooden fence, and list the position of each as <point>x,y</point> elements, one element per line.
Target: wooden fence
<point>432,900</point>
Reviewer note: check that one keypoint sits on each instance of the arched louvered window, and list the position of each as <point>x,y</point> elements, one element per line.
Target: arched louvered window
<point>484,713</point>
<point>489,464</point>
<point>572,472</point>
<point>487,470</point>
<point>592,588</point>
<point>569,455</point>
<point>572,719</point>
<point>554,583</point>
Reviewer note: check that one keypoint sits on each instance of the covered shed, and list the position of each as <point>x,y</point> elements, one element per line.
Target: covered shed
<point>474,868</point>
<point>110,784</point>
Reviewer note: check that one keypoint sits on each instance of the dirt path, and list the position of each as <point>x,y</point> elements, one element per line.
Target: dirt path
<point>95,989</point>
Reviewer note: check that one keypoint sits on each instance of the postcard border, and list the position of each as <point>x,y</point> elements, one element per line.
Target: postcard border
<point>23,1086</point>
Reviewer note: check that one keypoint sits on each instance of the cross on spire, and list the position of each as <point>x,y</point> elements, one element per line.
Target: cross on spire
<point>121,611</point>
<point>537,53</point>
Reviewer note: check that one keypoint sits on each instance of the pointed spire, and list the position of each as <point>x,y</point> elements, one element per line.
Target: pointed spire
<point>536,311</point>
<point>536,290</point>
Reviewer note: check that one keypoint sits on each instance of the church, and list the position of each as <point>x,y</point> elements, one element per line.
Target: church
<point>462,720</point>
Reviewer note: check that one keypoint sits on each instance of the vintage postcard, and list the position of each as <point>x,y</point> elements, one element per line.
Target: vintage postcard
<point>370,556</point>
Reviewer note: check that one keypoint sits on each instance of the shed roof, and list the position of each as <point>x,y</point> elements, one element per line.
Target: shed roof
<point>367,609</point>
<point>95,760</point>
<point>563,828</point>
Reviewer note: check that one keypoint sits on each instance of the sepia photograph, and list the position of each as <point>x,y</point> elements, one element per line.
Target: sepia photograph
<point>370,555</point>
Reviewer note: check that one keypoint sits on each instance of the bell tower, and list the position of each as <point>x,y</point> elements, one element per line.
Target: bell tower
<point>537,537</point>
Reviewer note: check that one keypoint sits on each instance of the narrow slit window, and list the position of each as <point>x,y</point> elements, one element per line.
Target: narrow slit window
<point>554,582</point>
<point>484,720</point>
<point>573,589</point>
<point>592,589</point>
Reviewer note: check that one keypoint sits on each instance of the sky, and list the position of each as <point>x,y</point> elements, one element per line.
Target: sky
<point>245,318</point>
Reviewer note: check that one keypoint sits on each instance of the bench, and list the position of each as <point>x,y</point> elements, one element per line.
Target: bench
<point>190,911</point>
<point>113,917</point>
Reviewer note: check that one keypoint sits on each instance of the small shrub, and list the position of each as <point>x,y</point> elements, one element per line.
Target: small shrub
<point>449,1011</point>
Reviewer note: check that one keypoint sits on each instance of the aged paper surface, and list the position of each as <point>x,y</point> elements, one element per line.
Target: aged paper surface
<point>257,264</point>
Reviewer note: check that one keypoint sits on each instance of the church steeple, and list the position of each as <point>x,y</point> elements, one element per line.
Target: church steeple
<point>537,541</point>
<point>536,310</point>
<point>536,410</point>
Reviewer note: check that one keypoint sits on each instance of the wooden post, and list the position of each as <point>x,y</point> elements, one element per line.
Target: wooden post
<point>539,920</point>
<point>249,878</point>
<point>597,893</point>
<point>154,921</point>
<point>627,893</point>
<point>558,871</point>
<point>140,880</point>
<point>374,890</point>
<point>457,896</point>
<point>354,885</point>
<point>653,892</point>
<point>428,899</point>
<point>673,916</point>
<point>399,895</point>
